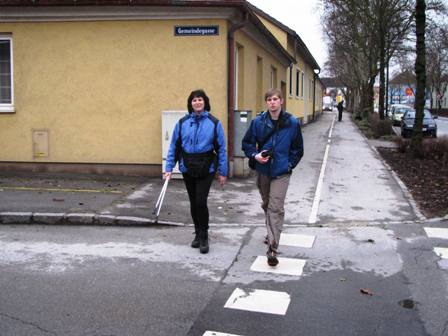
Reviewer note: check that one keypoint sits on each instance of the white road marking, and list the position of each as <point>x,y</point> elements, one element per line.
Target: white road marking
<point>258,300</point>
<point>442,252</point>
<point>297,240</point>
<point>436,232</point>
<point>215,333</point>
<point>288,266</point>
<point>313,215</point>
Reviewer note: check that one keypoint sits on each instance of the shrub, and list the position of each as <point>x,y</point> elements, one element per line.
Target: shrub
<point>403,145</point>
<point>436,149</point>
<point>379,126</point>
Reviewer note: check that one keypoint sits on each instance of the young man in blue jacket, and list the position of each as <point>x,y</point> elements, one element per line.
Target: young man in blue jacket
<point>274,142</point>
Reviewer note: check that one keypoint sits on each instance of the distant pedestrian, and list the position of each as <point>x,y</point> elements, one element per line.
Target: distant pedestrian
<point>274,143</point>
<point>340,109</point>
<point>199,146</point>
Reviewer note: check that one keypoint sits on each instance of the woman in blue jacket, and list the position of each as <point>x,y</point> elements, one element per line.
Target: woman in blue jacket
<point>199,146</point>
<point>275,145</point>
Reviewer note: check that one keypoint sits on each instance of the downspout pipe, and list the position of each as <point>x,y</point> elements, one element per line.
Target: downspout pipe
<point>316,74</point>
<point>231,82</point>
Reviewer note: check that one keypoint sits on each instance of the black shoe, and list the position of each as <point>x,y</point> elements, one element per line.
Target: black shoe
<point>195,242</point>
<point>203,243</point>
<point>272,258</point>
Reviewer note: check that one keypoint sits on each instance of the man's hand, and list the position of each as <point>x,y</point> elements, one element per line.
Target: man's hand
<point>261,159</point>
<point>222,180</point>
<point>167,175</point>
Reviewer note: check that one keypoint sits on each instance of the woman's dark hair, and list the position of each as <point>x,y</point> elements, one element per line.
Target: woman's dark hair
<point>196,94</point>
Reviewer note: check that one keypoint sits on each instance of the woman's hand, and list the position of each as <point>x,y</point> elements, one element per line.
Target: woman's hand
<point>167,175</point>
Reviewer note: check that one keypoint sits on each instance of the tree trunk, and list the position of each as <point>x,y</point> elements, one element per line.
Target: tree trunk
<point>386,107</point>
<point>420,72</point>
<point>382,74</point>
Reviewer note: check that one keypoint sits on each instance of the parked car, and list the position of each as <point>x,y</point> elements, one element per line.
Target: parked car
<point>397,111</point>
<point>327,103</point>
<point>429,124</point>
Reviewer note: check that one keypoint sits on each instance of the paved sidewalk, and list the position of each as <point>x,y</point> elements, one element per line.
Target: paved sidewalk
<point>356,187</point>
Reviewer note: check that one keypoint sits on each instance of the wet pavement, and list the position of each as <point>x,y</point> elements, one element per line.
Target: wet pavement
<point>355,185</point>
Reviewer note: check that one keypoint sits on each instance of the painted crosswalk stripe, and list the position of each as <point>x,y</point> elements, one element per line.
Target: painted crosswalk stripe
<point>297,240</point>
<point>442,252</point>
<point>436,232</point>
<point>215,333</point>
<point>287,266</point>
<point>258,300</point>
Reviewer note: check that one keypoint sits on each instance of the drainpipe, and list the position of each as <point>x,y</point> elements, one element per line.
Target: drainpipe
<point>231,83</point>
<point>314,93</point>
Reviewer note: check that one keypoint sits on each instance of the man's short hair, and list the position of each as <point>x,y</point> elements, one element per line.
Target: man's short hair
<point>273,92</point>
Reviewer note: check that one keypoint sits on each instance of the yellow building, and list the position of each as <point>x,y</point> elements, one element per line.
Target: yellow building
<point>83,84</point>
<point>303,90</point>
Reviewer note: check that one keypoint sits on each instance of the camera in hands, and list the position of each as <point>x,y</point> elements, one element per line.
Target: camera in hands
<point>267,153</point>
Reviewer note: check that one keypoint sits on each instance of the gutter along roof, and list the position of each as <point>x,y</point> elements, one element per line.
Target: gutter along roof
<point>217,3</point>
<point>241,5</point>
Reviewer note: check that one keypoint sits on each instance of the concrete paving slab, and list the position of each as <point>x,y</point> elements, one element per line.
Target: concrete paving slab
<point>286,266</point>
<point>258,300</point>
<point>432,232</point>
<point>297,240</point>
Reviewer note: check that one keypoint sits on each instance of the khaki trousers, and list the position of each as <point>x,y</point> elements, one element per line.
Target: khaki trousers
<point>273,194</point>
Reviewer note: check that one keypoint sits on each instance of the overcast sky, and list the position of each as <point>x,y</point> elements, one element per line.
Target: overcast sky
<point>301,16</point>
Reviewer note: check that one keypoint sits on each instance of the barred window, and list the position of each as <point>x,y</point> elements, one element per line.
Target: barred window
<point>6,90</point>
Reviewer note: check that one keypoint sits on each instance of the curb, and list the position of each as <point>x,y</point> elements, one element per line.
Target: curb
<point>61,218</point>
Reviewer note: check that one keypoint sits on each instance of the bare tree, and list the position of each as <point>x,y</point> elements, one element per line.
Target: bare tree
<point>394,20</point>
<point>352,44</point>
<point>420,72</point>
<point>437,61</point>
<point>362,37</point>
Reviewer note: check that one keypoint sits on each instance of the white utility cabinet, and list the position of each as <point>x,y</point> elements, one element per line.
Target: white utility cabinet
<point>169,120</point>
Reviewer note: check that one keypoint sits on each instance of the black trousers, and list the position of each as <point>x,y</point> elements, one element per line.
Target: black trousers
<point>339,114</point>
<point>198,189</point>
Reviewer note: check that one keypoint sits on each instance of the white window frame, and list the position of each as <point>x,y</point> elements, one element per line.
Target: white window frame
<point>9,108</point>
<point>236,71</point>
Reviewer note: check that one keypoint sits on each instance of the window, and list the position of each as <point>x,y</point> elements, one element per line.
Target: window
<point>6,90</point>
<point>297,82</point>
<point>259,95</point>
<point>273,78</point>
<point>239,76</point>
<point>290,80</point>
<point>309,89</point>
<point>303,82</point>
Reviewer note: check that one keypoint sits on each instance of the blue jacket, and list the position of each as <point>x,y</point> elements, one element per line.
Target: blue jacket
<point>197,137</point>
<point>286,143</point>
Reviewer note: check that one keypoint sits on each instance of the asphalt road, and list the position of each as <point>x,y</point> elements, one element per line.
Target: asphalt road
<point>364,263</point>
<point>148,281</point>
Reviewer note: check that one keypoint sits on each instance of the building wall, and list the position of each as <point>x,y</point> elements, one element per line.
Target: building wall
<point>99,87</point>
<point>254,89</point>
<point>295,102</point>
<point>279,34</point>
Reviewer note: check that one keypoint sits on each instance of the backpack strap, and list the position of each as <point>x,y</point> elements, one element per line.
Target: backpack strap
<point>215,132</point>
<point>179,139</point>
